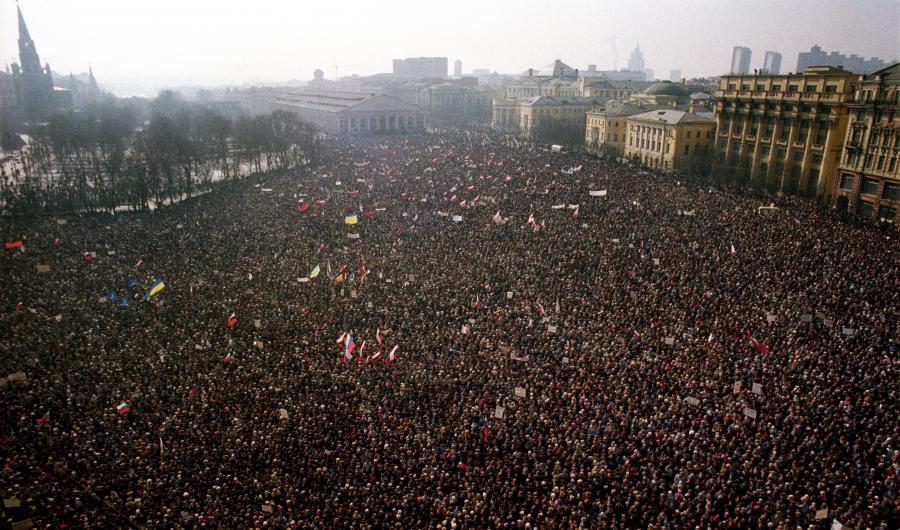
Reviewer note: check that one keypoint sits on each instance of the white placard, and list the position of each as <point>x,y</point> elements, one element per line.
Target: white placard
<point>670,341</point>
<point>43,268</point>
<point>352,293</point>
<point>179,226</point>
<point>258,344</point>
<point>283,414</point>
<point>597,193</point>
<point>352,236</point>
<point>750,413</point>
<point>691,400</point>
<point>756,389</point>
<point>509,295</point>
<point>303,280</point>
<point>806,318</point>
<point>656,261</point>
<point>557,206</point>
<point>257,323</point>
<point>551,329</point>
<point>61,221</point>
<point>465,330</point>
<point>848,331</point>
<point>499,412</point>
<point>828,322</point>
<point>457,218</point>
<point>520,392</point>
<point>737,387</point>
<point>770,317</point>
<point>821,514</point>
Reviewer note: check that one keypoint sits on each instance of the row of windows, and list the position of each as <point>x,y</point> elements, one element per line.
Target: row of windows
<point>808,89</point>
<point>891,192</point>
<point>382,123</point>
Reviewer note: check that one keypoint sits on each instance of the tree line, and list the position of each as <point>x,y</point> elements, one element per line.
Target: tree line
<point>113,155</point>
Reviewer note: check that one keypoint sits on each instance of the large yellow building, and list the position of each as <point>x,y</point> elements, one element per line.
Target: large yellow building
<point>671,139</point>
<point>784,132</point>
<point>606,131</point>
<point>543,117</point>
<point>869,171</point>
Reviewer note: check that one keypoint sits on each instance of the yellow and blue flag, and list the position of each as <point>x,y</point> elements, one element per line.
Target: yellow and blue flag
<point>157,286</point>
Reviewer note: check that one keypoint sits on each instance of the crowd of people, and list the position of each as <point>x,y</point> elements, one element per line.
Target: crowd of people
<point>539,341</point>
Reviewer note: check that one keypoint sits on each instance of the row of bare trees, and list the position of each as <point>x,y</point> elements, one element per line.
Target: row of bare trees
<point>109,156</point>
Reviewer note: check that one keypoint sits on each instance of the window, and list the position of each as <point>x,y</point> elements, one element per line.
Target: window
<point>798,156</point>
<point>892,192</point>
<point>830,89</point>
<point>810,89</point>
<point>822,132</point>
<point>816,161</point>
<point>731,86</point>
<point>687,149</point>
<point>776,88</point>
<point>745,87</point>
<point>869,187</point>
<point>887,212</point>
<point>764,151</point>
<point>793,88</point>
<point>866,209</point>
<point>847,181</point>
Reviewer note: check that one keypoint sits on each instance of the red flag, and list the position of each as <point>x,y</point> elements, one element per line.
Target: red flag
<point>232,320</point>
<point>228,359</point>
<point>13,244</point>
<point>575,213</point>
<point>42,420</point>
<point>303,208</point>
<point>485,434</point>
<point>760,346</point>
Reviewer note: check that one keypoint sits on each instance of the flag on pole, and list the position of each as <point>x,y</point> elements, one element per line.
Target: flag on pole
<point>349,344</point>
<point>156,287</point>
<point>575,213</point>
<point>540,308</point>
<point>376,356</point>
<point>228,358</point>
<point>42,420</point>
<point>760,346</point>
<point>123,408</point>
<point>14,244</point>
<point>315,272</point>
<point>378,336</point>
<point>351,219</point>
<point>733,251</point>
<point>342,337</point>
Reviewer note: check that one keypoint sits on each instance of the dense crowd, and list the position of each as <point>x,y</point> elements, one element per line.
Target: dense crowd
<point>657,354</point>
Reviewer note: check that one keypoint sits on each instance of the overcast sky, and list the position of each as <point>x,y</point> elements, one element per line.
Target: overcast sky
<point>217,42</point>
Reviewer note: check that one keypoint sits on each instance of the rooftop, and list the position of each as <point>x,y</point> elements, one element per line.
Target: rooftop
<point>675,117</point>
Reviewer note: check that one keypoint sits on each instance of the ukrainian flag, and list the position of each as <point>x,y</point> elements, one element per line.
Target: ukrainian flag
<point>351,219</point>
<point>157,286</point>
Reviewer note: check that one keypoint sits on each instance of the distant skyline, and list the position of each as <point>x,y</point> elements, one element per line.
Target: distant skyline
<point>140,46</point>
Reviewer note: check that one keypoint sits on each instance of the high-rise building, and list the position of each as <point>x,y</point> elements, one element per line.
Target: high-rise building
<point>852,63</point>
<point>675,76</point>
<point>868,179</point>
<point>740,60</point>
<point>421,67</point>
<point>636,61</point>
<point>783,132</point>
<point>772,63</point>
<point>457,68</point>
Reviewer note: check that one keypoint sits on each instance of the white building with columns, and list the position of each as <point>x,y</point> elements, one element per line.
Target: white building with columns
<point>353,112</point>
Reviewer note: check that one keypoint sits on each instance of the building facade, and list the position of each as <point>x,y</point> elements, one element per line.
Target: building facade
<point>816,56</point>
<point>457,68</point>
<point>740,60</point>
<point>421,67</point>
<point>542,116</point>
<point>671,139</point>
<point>353,112</point>
<point>772,63</point>
<point>783,132</point>
<point>606,131</point>
<point>869,173</point>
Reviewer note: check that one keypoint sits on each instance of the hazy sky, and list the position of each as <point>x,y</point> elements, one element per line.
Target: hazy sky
<point>216,42</point>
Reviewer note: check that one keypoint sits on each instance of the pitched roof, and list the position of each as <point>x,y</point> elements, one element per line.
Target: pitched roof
<point>555,101</point>
<point>344,101</point>
<point>674,117</point>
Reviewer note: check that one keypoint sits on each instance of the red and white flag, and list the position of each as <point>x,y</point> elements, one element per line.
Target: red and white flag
<point>760,346</point>
<point>575,213</point>
<point>733,251</point>
<point>378,336</point>
<point>497,218</point>
<point>392,356</point>
<point>232,320</point>
<point>228,358</point>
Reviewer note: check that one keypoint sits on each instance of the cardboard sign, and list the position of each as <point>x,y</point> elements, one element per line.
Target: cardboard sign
<point>750,413</point>
<point>828,322</point>
<point>43,268</point>
<point>257,323</point>
<point>656,261</point>
<point>737,387</point>
<point>770,317</point>
<point>821,514</point>
<point>509,295</point>
<point>551,329</point>
<point>61,221</point>
<point>806,318</point>
<point>757,389</point>
<point>670,341</point>
<point>499,412</point>
<point>267,508</point>
<point>520,392</point>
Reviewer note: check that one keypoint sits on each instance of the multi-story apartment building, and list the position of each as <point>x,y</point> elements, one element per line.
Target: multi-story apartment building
<point>869,172</point>
<point>784,132</point>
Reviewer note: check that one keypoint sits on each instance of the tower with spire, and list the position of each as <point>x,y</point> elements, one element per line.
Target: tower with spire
<point>34,84</point>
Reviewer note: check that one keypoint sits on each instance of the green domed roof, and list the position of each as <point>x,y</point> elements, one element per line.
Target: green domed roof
<point>666,88</point>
